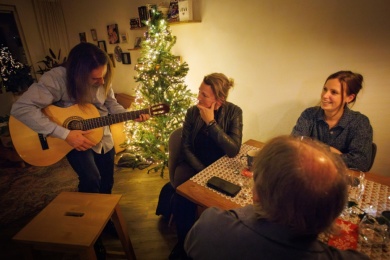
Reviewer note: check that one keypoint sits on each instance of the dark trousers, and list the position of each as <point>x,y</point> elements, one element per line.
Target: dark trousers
<point>95,171</point>
<point>185,216</point>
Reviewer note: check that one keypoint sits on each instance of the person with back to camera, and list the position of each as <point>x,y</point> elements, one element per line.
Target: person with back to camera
<point>299,190</point>
<point>348,133</point>
<point>211,129</point>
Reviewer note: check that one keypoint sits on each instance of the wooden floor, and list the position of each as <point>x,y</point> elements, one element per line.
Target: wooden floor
<point>151,236</point>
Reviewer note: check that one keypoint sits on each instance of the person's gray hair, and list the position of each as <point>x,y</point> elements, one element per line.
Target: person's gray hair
<point>300,184</point>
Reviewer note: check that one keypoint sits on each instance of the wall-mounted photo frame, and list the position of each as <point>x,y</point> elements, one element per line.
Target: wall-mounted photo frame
<point>137,42</point>
<point>126,58</point>
<point>111,55</point>
<point>113,35</point>
<point>102,45</point>
<point>123,37</point>
<point>94,34</point>
<point>118,54</point>
<point>83,37</point>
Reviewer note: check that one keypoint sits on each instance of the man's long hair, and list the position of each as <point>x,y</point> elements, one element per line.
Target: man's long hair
<point>82,60</point>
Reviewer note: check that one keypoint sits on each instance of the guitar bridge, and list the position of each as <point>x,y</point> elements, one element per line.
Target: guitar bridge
<point>43,142</point>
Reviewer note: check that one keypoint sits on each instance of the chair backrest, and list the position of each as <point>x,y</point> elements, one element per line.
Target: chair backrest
<point>174,147</point>
<point>373,154</point>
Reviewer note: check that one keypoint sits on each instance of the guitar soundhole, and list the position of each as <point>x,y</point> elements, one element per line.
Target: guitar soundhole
<point>74,123</point>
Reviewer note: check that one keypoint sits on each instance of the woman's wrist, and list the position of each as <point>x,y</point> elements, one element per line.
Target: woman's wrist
<point>212,122</point>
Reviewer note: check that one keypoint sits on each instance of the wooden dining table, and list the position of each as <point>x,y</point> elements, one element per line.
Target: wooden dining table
<point>376,197</point>
<point>205,197</point>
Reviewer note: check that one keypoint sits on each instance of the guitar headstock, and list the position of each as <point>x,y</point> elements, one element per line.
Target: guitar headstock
<point>159,109</point>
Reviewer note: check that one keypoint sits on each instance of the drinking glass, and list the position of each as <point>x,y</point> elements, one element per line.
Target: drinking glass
<point>355,186</point>
<point>355,181</point>
<point>246,183</point>
<point>374,231</point>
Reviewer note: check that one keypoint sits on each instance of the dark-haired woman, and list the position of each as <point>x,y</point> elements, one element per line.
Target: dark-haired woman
<point>348,133</point>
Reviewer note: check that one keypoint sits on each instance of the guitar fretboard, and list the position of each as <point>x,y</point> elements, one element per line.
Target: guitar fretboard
<point>97,122</point>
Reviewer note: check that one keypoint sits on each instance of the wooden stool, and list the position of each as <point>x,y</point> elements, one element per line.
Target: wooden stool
<point>72,223</point>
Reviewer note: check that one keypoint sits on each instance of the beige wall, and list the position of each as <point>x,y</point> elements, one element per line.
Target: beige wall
<point>279,53</point>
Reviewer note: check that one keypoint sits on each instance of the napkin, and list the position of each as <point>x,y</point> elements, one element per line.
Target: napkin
<point>347,237</point>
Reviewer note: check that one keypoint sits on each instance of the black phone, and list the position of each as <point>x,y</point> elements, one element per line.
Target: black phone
<point>223,186</point>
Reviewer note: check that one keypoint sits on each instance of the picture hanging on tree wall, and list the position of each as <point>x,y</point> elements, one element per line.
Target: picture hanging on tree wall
<point>137,42</point>
<point>173,13</point>
<point>102,45</point>
<point>113,35</point>
<point>124,37</point>
<point>83,37</point>
<point>118,54</point>
<point>94,34</point>
<point>126,58</point>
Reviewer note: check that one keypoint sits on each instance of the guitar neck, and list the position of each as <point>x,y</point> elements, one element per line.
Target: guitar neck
<point>97,122</point>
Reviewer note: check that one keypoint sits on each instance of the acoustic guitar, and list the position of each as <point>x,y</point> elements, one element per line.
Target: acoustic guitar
<point>38,150</point>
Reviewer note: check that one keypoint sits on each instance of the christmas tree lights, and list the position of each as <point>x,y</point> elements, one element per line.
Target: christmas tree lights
<point>160,78</point>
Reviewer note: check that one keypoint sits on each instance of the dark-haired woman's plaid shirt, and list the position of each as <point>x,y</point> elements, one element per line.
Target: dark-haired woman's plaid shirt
<point>352,135</point>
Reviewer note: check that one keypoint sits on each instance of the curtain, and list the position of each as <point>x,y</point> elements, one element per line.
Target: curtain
<point>52,27</point>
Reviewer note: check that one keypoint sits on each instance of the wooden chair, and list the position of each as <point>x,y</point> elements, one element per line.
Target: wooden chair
<point>165,201</point>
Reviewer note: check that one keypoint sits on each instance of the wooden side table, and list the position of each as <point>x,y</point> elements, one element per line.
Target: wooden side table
<point>72,223</point>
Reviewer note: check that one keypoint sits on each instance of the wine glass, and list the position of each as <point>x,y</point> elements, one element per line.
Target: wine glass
<point>355,186</point>
<point>355,181</point>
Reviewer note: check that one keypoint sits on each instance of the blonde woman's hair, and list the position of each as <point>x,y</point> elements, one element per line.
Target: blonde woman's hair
<point>220,85</point>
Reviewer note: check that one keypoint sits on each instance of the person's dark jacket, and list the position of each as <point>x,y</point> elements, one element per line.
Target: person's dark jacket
<point>227,132</point>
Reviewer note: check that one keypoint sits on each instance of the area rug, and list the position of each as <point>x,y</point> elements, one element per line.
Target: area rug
<point>26,191</point>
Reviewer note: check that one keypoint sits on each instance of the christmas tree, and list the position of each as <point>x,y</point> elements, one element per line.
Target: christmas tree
<point>15,76</point>
<point>160,75</point>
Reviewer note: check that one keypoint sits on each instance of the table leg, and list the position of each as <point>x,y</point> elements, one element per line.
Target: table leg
<point>121,229</point>
<point>88,254</point>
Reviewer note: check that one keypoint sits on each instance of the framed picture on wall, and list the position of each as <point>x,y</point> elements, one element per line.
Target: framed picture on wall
<point>137,42</point>
<point>123,37</point>
<point>102,45</point>
<point>126,58</point>
<point>83,37</point>
<point>94,34</point>
<point>113,35</point>
<point>118,54</point>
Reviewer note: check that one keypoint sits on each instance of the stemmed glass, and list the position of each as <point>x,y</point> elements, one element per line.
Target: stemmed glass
<point>355,181</point>
<point>355,186</point>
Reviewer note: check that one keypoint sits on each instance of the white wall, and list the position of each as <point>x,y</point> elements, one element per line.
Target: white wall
<point>279,53</point>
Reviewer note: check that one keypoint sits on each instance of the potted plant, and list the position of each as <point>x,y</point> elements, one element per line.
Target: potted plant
<point>50,61</point>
